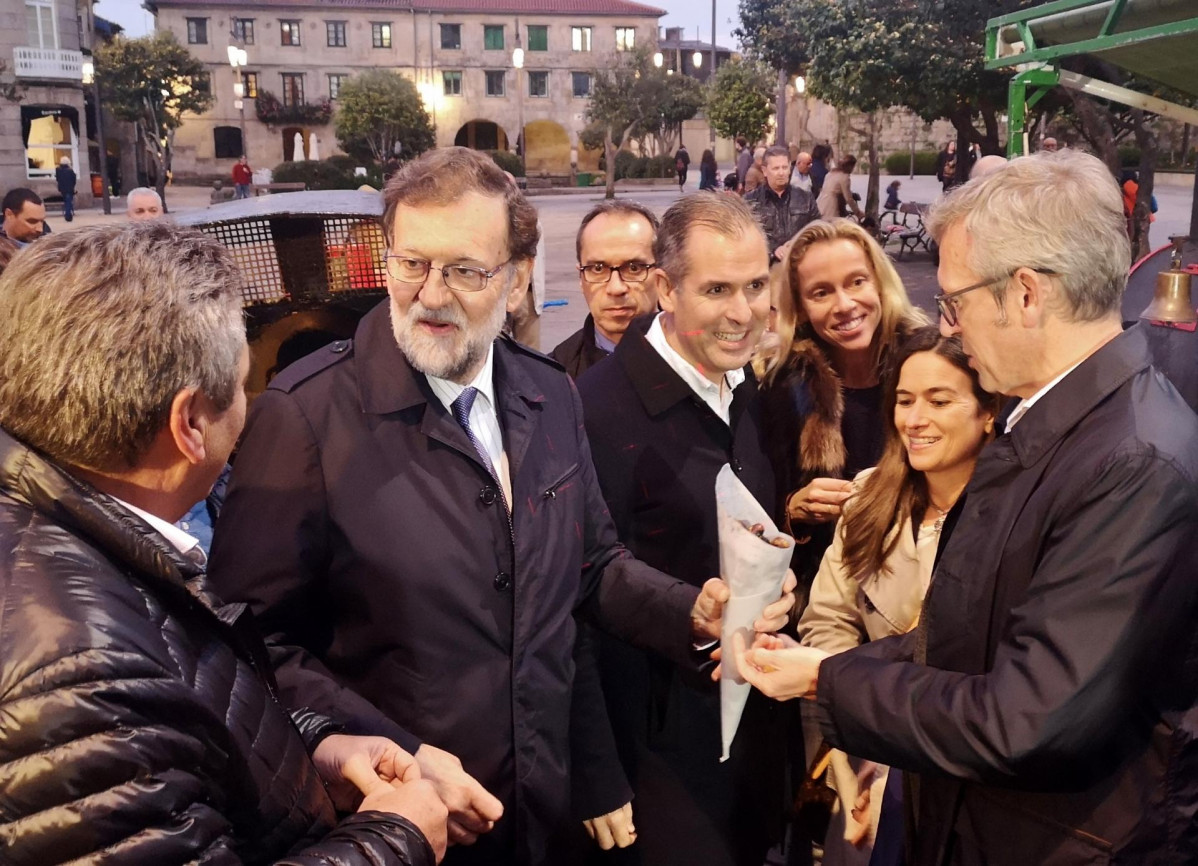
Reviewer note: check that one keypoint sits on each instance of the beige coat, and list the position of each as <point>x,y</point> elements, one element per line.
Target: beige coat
<point>843,613</point>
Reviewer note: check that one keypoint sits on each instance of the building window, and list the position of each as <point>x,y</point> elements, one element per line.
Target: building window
<point>41,25</point>
<point>250,80</point>
<point>290,31</point>
<point>197,31</point>
<point>493,37</point>
<point>293,89</point>
<point>380,34</point>
<point>538,84</point>
<point>49,136</point>
<point>452,82</point>
<point>538,37</point>
<point>625,38</point>
<point>496,82</point>
<point>226,141</point>
<point>580,38</point>
<point>243,30</point>
<point>451,36</point>
<point>582,84</point>
<point>335,33</point>
<point>335,79</point>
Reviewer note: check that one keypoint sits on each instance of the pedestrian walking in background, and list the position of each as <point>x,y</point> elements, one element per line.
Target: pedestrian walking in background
<point>66,179</point>
<point>744,161</point>
<point>682,161</point>
<point>243,176</point>
<point>821,160</point>
<point>946,166</point>
<point>836,194</point>
<point>709,172</point>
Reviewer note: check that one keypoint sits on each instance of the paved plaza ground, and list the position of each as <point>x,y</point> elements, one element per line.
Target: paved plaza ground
<point>561,214</point>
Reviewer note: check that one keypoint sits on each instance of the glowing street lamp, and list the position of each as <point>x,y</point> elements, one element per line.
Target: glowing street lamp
<point>800,84</point>
<point>521,143</point>
<point>239,59</point>
<point>658,59</point>
<point>698,59</point>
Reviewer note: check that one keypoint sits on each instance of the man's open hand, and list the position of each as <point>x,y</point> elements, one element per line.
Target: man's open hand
<point>472,809</point>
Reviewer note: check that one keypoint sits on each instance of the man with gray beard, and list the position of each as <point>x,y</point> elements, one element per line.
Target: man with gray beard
<point>416,522</point>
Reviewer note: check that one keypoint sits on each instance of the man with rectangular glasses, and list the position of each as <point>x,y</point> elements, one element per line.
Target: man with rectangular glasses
<point>618,279</point>
<point>415,520</point>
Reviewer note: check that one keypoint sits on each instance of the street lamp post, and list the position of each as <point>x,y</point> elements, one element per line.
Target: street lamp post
<point>521,143</point>
<point>714,66</point>
<point>238,59</point>
<point>89,77</point>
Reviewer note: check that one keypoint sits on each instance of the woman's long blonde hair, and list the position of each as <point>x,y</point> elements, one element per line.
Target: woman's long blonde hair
<point>896,308</point>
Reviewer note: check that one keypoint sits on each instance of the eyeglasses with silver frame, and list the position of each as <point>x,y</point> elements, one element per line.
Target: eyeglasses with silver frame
<point>459,278</point>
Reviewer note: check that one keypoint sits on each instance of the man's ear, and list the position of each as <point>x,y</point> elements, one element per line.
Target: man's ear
<point>188,424</point>
<point>520,283</point>
<point>1033,294</point>
<point>665,291</point>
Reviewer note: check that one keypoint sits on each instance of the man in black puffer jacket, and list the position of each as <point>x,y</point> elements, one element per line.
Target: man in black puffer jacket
<point>139,719</point>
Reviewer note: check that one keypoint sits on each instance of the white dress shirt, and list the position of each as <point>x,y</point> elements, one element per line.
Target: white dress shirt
<point>1020,410</point>
<point>186,544</point>
<point>718,397</point>
<point>800,181</point>
<point>484,417</point>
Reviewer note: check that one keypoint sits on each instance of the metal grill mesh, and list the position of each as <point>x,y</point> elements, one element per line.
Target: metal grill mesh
<point>349,249</point>
<point>254,250</point>
<point>354,254</point>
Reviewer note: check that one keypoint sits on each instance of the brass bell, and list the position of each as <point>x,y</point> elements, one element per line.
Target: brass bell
<point>1172,301</point>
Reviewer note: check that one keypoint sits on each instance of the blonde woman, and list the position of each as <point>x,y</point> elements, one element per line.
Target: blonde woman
<point>841,310</point>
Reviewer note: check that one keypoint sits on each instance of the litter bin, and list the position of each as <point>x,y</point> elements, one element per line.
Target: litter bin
<point>585,178</point>
<point>97,184</point>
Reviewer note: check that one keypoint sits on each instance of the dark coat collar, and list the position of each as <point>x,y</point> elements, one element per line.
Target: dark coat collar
<point>1075,396</point>
<point>655,382</point>
<point>38,483</point>
<point>388,383</point>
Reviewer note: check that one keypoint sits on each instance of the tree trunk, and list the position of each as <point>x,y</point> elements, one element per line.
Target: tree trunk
<point>1141,218</point>
<point>963,122</point>
<point>990,143</point>
<point>1097,128</point>
<point>609,150</point>
<point>871,190</point>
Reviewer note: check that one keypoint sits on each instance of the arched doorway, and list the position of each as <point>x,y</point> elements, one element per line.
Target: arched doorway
<point>548,148</point>
<point>481,135</point>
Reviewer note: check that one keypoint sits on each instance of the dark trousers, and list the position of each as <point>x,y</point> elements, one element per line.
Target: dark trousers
<point>68,206</point>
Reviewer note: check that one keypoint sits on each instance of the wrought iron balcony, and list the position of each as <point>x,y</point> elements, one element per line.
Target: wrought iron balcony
<point>47,63</point>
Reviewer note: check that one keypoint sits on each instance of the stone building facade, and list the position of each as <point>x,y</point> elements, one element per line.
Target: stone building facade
<point>43,117</point>
<point>459,53</point>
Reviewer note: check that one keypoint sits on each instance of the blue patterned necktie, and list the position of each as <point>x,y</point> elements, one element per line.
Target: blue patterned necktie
<point>461,411</point>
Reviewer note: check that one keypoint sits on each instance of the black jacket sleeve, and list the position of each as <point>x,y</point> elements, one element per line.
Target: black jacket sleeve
<point>1079,659</point>
<point>271,551</point>
<point>620,594</point>
<point>117,773</point>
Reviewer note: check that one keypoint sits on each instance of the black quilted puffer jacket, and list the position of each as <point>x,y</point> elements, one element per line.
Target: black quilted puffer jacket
<point>137,720</point>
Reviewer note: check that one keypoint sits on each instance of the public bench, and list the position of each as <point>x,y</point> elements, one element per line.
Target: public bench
<point>260,188</point>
